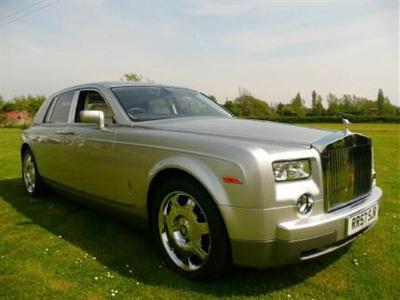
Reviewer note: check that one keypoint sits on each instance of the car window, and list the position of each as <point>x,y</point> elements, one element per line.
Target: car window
<point>159,106</point>
<point>61,108</point>
<point>154,102</point>
<point>49,109</point>
<point>144,102</point>
<point>92,100</point>
<point>186,105</point>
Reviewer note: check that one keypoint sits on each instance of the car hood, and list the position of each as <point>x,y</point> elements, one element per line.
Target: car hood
<point>241,129</point>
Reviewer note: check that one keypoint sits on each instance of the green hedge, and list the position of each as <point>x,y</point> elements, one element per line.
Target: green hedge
<point>23,126</point>
<point>332,119</point>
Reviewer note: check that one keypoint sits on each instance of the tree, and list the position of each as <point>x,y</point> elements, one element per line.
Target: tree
<point>388,108</point>
<point>132,77</point>
<point>279,108</point>
<point>317,108</point>
<point>248,106</point>
<point>347,104</point>
<point>212,97</point>
<point>135,77</point>
<point>333,104</point>
<point>297,105</point>
<point>8,106</point>
<point>28,103</point>
<point>380,101</point>
<point>233,107</point>
<point>288,111</point>
<point>314,96</point>
<point>366,107</point>
<point>1,102</point>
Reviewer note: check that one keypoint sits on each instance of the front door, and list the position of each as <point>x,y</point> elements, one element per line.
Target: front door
<point>89,150</point>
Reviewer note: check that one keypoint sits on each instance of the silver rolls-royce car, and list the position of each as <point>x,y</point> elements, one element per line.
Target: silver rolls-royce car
<point>214,189</point>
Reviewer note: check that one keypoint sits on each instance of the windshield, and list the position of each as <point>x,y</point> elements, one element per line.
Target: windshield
<point>142,103</point>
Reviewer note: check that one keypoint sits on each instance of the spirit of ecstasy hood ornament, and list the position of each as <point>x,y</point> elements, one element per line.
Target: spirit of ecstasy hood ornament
<point>346,124</point>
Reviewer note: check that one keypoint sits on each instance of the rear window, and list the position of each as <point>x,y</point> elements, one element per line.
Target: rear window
<point>61,108</point>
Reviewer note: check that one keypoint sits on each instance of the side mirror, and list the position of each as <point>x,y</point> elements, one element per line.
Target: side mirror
<point>92,116</point>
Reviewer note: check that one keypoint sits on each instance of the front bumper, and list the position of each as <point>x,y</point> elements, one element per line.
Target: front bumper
<point>291,241</point>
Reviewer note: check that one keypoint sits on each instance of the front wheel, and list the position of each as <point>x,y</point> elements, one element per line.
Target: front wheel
<point>189,230</point>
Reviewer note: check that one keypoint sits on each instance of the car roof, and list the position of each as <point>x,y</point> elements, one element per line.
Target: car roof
<point>111,84</point>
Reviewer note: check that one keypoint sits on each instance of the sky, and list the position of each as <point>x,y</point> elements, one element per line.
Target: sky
<point>273,49</point>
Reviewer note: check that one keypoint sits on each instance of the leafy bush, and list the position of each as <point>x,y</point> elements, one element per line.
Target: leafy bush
<point>378,110</point>
<point>28,103</point>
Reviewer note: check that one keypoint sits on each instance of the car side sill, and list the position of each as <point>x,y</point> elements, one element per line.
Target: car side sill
<point>69,190</point>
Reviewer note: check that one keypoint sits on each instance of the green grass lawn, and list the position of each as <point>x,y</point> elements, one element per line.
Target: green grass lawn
<point>55,248</point>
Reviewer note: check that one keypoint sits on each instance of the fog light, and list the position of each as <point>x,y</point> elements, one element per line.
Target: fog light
<point>305,204</point>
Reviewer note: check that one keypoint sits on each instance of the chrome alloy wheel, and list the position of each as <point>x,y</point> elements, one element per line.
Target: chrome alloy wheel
<point>29,173</point>
<point>184,231</point>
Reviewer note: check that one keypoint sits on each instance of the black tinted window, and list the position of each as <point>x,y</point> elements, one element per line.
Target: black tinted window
<point>61,108</point>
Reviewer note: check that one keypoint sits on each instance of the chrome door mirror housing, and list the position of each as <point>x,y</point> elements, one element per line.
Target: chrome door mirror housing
<point>92,116</point>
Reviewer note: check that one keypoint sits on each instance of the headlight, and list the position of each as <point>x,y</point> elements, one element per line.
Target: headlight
<point>291,170</point>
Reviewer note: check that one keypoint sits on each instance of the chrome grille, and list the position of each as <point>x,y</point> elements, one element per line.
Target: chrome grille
<point>347,166</point>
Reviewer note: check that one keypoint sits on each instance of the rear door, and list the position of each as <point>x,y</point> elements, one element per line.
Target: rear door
<point>89,150</point>
<point>49,142</point>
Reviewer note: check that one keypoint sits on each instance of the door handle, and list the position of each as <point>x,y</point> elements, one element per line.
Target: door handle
<point>65,132</point>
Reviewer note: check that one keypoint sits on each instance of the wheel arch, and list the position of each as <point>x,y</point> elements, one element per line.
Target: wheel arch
<point>24,147</point>
<point>189,168</point>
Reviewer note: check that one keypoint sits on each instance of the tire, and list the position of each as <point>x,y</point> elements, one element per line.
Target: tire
<point>189,230</point>
<point>31,179</point>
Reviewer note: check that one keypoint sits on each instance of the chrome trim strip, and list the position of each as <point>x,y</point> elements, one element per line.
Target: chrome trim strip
<point>71,116</point>
<point>321,144</point>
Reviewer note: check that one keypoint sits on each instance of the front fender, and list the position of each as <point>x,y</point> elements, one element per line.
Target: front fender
<point>199,170</point>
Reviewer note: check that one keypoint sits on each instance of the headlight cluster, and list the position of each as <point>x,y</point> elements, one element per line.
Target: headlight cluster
<point>292,170</point>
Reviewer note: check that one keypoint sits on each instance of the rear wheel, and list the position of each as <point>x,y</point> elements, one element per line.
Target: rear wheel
<point>189,230</point>
<point>30,175</point>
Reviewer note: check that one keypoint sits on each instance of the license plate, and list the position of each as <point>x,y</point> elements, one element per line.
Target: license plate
<point>362,219</point>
